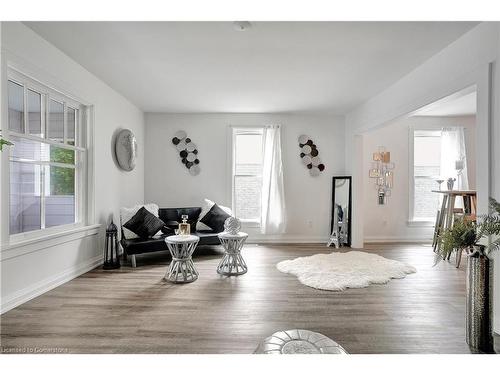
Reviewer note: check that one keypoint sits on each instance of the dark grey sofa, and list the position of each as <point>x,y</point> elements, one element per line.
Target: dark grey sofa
<point>169,216</point>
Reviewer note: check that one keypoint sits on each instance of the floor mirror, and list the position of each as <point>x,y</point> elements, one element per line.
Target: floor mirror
<point>340,224</point>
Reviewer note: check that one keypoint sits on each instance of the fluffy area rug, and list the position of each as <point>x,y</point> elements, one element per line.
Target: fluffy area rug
<point>338,271</point>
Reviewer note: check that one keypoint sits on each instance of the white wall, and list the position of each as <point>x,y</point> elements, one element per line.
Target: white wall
<point>29,270</point>
<point>470,60</point>
<point>308,199</point>
<point>389,222</point>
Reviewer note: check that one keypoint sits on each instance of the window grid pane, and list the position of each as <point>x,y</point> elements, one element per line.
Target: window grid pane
<point>25,198</point>
<point>247,175</point>
<point>59,196</point>
<point>56,121</point>
<point>71,125</point>
<point>35,113</point>
<point>16,107</point>
<point>426,159</point>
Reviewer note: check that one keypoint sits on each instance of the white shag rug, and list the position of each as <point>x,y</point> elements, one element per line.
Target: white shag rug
<point>338,271</point>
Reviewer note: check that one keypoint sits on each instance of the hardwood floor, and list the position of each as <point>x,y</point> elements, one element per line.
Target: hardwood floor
<point>135,311</point>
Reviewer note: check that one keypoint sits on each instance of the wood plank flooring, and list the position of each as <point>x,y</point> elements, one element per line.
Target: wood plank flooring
<point>135,311</point>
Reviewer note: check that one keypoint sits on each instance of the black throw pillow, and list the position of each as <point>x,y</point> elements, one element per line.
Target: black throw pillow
<point>215,218</point>
<point>144,223</point>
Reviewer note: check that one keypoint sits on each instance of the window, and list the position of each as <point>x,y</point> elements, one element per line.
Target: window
<point>47,162</point>
<point>247,173</point>
<point>426,169</point>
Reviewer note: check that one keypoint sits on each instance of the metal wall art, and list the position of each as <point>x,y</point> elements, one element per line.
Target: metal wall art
<point>382,172</point>
<point>188,152</point>
<point>126,150</point>
<point>310,156</point>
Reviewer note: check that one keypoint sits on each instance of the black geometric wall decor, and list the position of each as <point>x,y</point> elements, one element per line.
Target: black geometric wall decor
<point>188,152</point>
<point>310,156</point>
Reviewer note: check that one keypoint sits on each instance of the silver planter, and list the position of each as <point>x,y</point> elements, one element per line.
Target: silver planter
<point>479,334</point>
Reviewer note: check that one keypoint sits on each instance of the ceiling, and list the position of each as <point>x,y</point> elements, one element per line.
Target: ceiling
<point>272,67</point>
<point>459,104</point>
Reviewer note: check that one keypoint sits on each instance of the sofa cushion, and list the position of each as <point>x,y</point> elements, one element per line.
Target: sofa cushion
<point>127,213</point>
<point>205,207</point>
<point>173,214</point>
<point>144,223</point>
<point>141,246</point>
<point>215,218</point>
<point>149,245</point>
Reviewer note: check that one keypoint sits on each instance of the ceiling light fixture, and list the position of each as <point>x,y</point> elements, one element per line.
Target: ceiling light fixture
<point>242,25</point>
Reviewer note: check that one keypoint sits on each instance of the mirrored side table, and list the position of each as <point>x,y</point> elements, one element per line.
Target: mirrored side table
<point>181,269</point>
<point>232,264</point>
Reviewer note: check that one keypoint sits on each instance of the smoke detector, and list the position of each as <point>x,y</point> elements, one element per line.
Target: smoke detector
<point>242,25</point>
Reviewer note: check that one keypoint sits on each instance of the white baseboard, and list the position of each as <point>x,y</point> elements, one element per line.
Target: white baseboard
<point>34,290</point>
<point>392,239</point>
<point>286,239</point>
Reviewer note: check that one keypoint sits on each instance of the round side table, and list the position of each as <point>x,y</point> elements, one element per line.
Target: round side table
<point>232,263</point>
<point>181,269</point>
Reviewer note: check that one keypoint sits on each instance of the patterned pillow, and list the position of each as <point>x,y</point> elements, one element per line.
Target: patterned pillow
<point>205,207</point>
<point>215,218</point>
<point>127,213</point>
<point>144,223</point>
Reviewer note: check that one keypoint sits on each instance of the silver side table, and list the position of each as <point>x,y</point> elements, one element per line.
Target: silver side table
<point>181,269</point>
<point>232,263</point>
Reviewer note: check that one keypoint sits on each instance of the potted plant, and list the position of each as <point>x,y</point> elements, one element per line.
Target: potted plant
<point>466,235</point>
<point>4,142</point>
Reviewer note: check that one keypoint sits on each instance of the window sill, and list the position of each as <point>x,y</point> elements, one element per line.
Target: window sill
<point>250,224</point>
<point>22,247</point>
<point>420,223</point>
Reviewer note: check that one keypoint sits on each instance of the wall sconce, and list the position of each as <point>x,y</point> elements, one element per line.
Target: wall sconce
<point>382,171</point>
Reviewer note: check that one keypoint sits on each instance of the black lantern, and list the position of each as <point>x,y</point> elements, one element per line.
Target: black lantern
<point>111,259</point>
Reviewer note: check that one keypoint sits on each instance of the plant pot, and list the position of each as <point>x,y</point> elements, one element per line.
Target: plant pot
<point>479,334</point>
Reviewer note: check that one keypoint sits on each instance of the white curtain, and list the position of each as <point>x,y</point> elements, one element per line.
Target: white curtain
<point>273,194</point>
<point>452,155</point>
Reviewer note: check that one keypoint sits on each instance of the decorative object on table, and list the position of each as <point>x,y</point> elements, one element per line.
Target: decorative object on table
<point>299,341</point>
<point>340,224</point>
<point>466,234</point>
<point>181,268</point>
<point>184,227</point>
<point>459,167</point>
<point>126,150</point>
<point>339,271</point>
<point>450,182</point>
<point>439,181</point>
<point>232,225</point>
<point>188,152</point>
<point>232,264</point>
<point>4,142</point>
<point>111,258</point>
<point>382,170</point>
<point>310,156</point>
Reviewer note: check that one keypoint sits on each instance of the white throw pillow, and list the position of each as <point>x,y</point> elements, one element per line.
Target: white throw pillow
<point>127,213</point>
<point>205,207</point>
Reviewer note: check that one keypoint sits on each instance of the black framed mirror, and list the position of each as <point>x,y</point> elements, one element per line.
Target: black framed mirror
<point>340,224</point>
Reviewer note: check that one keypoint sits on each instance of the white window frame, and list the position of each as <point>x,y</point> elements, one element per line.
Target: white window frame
<point>412,222</point>
<point>234,130</point>
<point>82,133</point>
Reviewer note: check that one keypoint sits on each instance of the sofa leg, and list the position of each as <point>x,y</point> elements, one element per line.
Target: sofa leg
<point>132,259</point>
